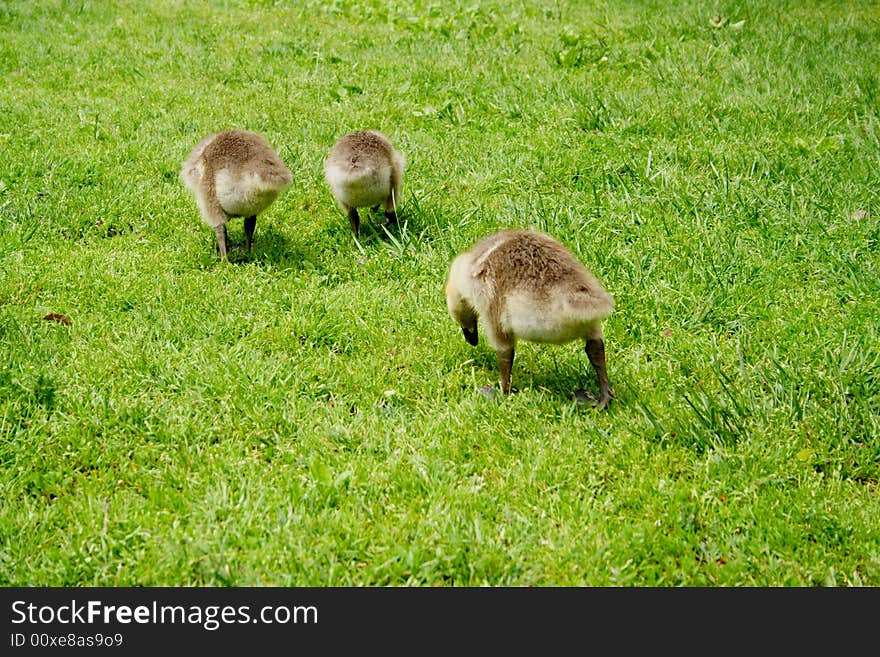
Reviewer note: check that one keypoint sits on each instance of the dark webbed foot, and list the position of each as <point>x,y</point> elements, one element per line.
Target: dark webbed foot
<point>582,397</point>
<point>390,219</point>
<point>487,391</point>
<point>604,399</point>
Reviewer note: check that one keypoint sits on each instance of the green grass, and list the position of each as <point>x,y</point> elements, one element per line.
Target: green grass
<point>310,415</point>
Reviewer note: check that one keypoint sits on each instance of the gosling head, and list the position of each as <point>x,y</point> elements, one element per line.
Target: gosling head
<point>234,173</point>
<point>364,170</point>
<point>457,303</point>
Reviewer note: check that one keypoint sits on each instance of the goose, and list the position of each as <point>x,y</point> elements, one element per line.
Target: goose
<point>364,169</point>
<point>234,173</point>
<point>525,284</point>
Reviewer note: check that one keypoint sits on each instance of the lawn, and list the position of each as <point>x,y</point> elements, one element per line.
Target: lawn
<point>310,414</point>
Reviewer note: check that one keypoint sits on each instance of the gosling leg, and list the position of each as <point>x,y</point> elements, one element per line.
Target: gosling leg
<point>596,352</point>
<point>220,232</point>
<point>249,224</point>
<point>505,364</point>
<point>355,220</point>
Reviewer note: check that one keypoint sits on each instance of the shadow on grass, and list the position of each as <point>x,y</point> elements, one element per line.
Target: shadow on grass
<point>270,246</point>
<point>374,229</point>
<point>485,364</point>
<point>275,247</point>
<point>566,387</point>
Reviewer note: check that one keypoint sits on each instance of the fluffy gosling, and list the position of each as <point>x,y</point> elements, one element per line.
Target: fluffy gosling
<point>524,284</point>
<point>234,173</point>
<point>363,169</point>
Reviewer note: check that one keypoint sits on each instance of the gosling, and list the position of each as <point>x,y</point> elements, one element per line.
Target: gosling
<point>234,173</point>
<point>364,169</point>
<point>524,284</point>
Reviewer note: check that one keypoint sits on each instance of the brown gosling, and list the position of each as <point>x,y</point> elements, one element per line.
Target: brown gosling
<point>363,170</point>
<point>234,173</point>
<point>524,284</point>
